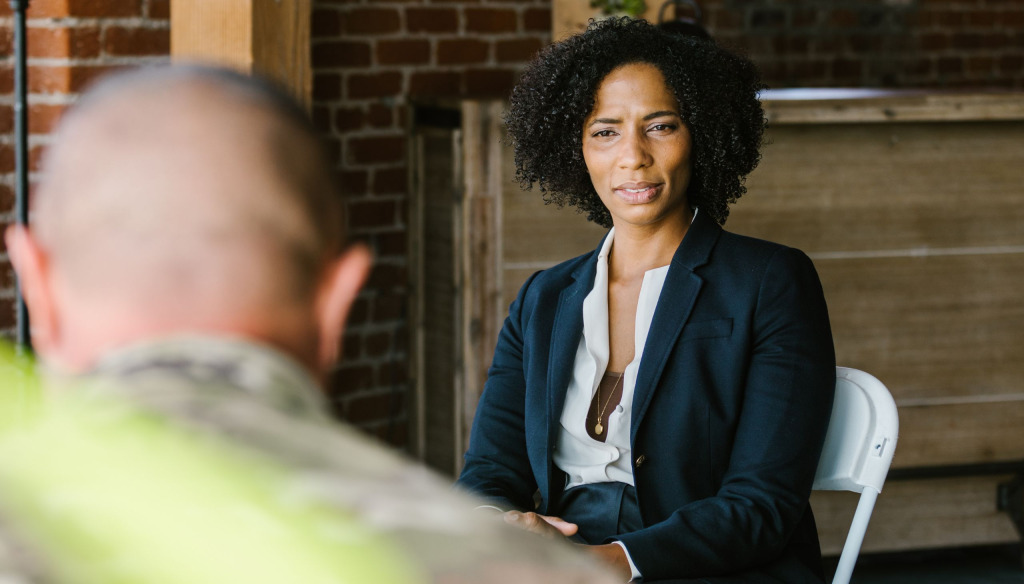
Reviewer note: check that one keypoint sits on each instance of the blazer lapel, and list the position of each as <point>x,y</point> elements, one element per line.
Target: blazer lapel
<point>675,304</point>
<point>565,338</point>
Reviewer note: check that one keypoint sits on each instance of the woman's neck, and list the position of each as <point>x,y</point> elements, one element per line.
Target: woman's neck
<point>637,249</point>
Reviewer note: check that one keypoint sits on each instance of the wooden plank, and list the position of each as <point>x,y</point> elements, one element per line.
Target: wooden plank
<point>800,106</point>
<point>961,433</point>
<point>270,37</point>
<point>918,515</point>
<point>897,187</point>
<point>933,327</point>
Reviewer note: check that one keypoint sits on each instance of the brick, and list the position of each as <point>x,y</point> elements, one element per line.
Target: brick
<point>537,20</point>
<point>348,119</point>
<point>380,116</point>
<point>7,317</point>
<point>434,84</point>
<point>332,149</point>
<point>389,307</point>
<point>363,215</point>
<point>6,158</point>
<point>326,87</point>
<point>341,54</point>
<point>431,20</point>
<point>65,79</point>
<point>980,66</point>
<point>843,18</point>
<point>387,276</point>
<point>370,408</point>
<point>38,9</point>
<point>104,8</point>
<point>35,157</point>
<point>950,66</point>
<point>354,182</point>
<point>462,51</point>
<point>6,41</point>
<point>395,243</point>
<point>847,68</point>
<point>320,116</point>
<point>513,50</point>
<point>1012,19</point>
<point>390,181</point>
<point>371,21</point>
<point>385,84</point>
<point>1011,64</point>
<point>325,23</point>
<point>767,19</point>
<point>378,344</point>
<point>966,41</point>
<point>83,42</point>
<point>160,9</point>
<point>805,18</point>
<point>490,82</point>
<point>42,118</point>
<point>359,313</point>
<point>349,378</point>
<point>7,79</point>
<point>951,18</point>
<point>490,20</point>
<point>983,18</point>
<point>936,41</point>
<point>6,119</point>
<point>403,52</point>
<point>136,41</point>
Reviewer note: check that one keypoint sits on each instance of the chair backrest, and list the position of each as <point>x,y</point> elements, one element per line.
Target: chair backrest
<point>859,445</point>
<point>861,435</point>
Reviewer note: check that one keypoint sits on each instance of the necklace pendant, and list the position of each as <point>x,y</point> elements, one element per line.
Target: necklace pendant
<point>598,428</point>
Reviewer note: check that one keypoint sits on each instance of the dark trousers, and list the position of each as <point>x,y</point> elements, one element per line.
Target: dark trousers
<point>602,511</point>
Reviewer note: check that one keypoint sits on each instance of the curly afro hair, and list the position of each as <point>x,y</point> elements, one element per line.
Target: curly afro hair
<point>717,94</point>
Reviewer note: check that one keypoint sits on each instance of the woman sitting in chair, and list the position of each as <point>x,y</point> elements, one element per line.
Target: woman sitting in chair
<point>663,398</point>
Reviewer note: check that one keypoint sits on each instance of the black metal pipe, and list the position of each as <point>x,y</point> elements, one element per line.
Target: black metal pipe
<point>19,7</point>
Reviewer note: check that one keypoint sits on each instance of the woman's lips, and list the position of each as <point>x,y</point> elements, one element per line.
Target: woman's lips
<point>637,193</point>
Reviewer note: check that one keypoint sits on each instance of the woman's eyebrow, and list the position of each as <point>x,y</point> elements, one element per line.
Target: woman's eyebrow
<point>659,114</point>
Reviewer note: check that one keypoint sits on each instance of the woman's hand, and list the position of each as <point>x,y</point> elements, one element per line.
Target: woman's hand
<point>614,556</point>
<point>541,524</point>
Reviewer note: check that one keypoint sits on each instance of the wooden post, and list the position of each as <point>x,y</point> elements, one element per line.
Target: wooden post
<point>269,37</point>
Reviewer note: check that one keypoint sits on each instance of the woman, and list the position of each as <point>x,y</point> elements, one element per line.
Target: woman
<point>664,398</point>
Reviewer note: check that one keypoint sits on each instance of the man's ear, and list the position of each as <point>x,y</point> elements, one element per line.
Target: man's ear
<point>32,265</point>
<point>337,293</point>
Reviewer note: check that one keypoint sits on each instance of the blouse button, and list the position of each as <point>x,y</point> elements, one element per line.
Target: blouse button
<point>619,408</point>
<point>640,460</point>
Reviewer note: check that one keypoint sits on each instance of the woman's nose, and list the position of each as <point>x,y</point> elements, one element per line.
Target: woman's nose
<point>634,151</point>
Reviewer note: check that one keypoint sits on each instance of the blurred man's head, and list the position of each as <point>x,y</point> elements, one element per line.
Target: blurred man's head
<point>185,200</point>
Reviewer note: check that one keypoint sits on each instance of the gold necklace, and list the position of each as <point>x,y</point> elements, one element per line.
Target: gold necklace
<point>598,427</point>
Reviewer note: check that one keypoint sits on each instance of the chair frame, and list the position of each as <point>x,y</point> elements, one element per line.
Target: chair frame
<point>859,446</point>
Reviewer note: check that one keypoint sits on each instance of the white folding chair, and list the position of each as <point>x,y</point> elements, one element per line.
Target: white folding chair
<point>858,449</point>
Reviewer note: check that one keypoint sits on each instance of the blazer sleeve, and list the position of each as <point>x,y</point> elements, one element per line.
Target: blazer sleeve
<point>496,464</point>
<point>786,404</point>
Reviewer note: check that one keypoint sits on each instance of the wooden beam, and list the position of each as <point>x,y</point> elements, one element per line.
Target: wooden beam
<point>269,37</point>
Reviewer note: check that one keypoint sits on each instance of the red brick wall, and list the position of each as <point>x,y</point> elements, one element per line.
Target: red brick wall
<point>372,58</point>
<point>877,43</point>
<point>70,42</point>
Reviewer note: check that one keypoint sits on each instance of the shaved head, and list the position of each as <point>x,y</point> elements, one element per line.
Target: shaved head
<point>187,198</point>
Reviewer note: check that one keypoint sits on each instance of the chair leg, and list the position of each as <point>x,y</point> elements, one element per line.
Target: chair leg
<point>854,539</point>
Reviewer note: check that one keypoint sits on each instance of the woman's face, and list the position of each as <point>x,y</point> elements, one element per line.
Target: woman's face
<point>637,149</point>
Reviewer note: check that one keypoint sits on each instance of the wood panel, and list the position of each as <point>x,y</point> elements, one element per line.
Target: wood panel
<point>918,514</point>
<point>955,433</point>
<point>887,186</point>
<point>940,326</point>
<point>270,37</point>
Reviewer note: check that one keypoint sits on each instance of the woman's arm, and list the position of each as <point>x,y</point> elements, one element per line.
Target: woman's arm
<point>784,413</point>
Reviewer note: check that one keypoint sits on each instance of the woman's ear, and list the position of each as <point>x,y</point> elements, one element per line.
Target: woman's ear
<point>32,265</point>
<point>337,293</point>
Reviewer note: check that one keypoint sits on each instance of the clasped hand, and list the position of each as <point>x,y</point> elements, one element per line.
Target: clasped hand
<point>552,527</point>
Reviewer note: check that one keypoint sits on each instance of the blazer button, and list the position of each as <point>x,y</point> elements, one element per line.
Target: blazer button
<point>640,460</point>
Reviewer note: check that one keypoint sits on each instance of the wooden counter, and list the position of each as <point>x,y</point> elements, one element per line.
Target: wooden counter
<point>911,205</point>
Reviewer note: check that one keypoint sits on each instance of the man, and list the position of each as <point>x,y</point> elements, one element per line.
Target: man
<point>186,254</point>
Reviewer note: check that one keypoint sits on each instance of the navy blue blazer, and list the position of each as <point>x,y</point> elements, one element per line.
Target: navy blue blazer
<point>732,401</point>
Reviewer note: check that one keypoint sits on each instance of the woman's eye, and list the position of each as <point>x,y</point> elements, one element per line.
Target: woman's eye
<point>603,133</point>
<point>663,127</point>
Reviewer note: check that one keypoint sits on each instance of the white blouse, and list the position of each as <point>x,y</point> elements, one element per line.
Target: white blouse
<point>582,458</point>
